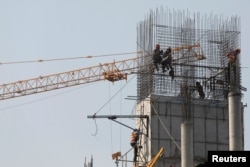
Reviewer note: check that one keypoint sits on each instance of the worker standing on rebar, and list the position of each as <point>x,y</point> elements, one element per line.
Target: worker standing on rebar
<point>232,58</point>
<point>134,137</point>
<point>157,56</point>
<point>167,60</point>
<point>200,90</point>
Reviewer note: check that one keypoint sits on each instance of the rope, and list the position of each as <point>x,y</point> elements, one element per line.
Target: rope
<point>111,128</point>
<point>165,127</point>
<point>113,96</point>
<point>109,102</point>
<point>121,99</point>
<point>70,58</point>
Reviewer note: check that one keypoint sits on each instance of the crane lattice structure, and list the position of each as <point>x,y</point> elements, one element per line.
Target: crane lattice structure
<point>113,71</point>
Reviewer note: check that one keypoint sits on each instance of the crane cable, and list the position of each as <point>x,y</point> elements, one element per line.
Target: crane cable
<point>121,106</point>
<point>177,145</point>
<point>111,128</point>
<point>69,58</point>
<point>108,103</point>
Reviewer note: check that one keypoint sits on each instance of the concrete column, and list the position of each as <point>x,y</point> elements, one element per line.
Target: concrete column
<point>187,144</point>
<point>235,121</point>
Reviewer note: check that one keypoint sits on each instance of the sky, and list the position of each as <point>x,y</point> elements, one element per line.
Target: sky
<point>51,129</point>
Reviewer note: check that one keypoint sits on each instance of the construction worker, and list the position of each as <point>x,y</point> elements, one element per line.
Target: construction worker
<point>171,73</point>
<point>134,137</point>
<point>200,90</point>
<point>232,58</point>
<point>167,60</point>
<point>157,56</point>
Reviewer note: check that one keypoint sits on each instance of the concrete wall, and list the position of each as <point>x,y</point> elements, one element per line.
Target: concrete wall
<point>210,127</point>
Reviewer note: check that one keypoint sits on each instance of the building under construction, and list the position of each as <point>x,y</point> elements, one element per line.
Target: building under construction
<point>199,107</point>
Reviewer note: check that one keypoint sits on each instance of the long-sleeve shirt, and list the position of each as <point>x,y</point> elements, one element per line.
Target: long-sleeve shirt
<point>134,137</point>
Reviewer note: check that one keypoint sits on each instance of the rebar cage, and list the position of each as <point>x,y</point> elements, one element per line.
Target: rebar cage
<point>200,45</point>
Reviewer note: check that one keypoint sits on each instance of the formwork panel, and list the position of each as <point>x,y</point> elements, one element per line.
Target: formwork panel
<point>208,127</point>
<point>222,136</point>
<point>222,147</point>
<point>175,126</point>
<point>201,111</point>
<point>201,131</point>
<point>200,150</point>
<point>211,147</point>
<point>211,130</point>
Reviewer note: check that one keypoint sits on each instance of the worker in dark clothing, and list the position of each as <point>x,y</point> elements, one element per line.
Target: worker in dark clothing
<point>171,73</point>
<point>167,60</point>
<point>157,56</point>
<point>133,142</point>
<point>200,90</point>
<point>232,58</point>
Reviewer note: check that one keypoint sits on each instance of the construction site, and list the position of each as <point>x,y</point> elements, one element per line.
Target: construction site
<point>195,107</point>
<point>185,121</point>
<point>182,112</point>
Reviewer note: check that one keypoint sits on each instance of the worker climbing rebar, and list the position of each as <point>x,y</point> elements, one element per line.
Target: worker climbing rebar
<point>134,137</point>
<point>231,68</point>
<point>200,90</point>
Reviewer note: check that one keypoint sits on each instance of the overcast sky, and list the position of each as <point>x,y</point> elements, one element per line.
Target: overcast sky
<point>51,129</point>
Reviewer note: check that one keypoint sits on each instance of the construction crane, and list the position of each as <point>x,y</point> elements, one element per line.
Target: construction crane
<point>114,71</point>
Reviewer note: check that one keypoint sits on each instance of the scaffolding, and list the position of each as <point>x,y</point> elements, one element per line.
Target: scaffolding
<point>213,37</point>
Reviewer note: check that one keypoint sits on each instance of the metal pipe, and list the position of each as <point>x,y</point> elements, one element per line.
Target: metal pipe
<point>117,116</point>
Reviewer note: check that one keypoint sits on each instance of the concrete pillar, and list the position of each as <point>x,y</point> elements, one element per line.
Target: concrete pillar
<point>235,121</point>
<point>187,144</point>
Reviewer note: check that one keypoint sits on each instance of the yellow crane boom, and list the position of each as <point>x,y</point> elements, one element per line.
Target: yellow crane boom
<point>156,157</point>
<point>177,49</point>
<point>113,71</point>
